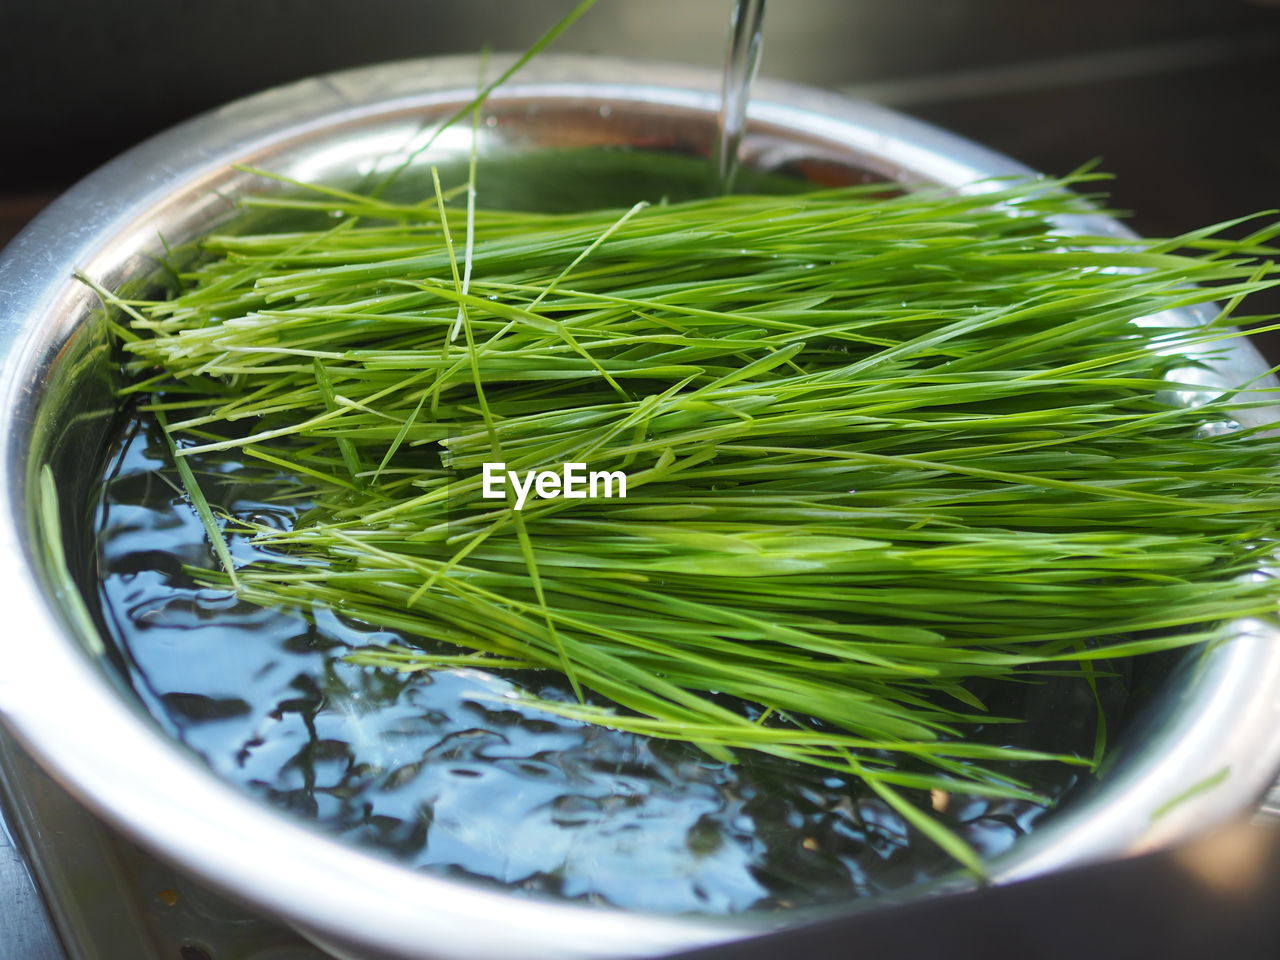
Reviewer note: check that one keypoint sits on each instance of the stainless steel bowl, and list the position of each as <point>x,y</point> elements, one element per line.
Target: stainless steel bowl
<point>1218,716</point>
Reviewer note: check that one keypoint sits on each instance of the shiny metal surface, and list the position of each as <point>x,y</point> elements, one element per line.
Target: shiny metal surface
<point>25,927</point>
<point>106,898</point>
<point>1220,713</point>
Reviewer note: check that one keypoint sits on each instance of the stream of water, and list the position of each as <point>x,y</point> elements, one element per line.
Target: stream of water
<point>742,59</point>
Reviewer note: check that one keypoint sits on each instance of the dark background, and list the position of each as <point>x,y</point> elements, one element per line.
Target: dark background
<point>1178,97</point>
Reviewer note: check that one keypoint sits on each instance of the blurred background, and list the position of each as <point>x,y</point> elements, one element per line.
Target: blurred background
<point>1177,97</point>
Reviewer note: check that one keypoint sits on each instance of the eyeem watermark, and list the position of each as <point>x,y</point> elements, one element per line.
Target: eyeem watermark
<point>572,482</point>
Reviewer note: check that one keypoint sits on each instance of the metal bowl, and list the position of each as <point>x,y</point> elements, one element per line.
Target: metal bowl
<point>1216,717</point>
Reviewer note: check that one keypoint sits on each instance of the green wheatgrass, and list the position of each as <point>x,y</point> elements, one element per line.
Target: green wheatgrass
<point>879,446</point>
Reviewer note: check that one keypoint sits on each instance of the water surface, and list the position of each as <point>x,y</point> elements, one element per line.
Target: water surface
<point>443,772</point>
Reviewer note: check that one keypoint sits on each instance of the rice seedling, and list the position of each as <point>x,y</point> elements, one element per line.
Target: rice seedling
<point>879,448</point>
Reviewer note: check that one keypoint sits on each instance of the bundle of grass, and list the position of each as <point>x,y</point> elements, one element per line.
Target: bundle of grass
<point>878,447</point>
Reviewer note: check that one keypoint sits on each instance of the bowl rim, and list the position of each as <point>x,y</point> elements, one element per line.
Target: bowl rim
<point>159,794</point>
